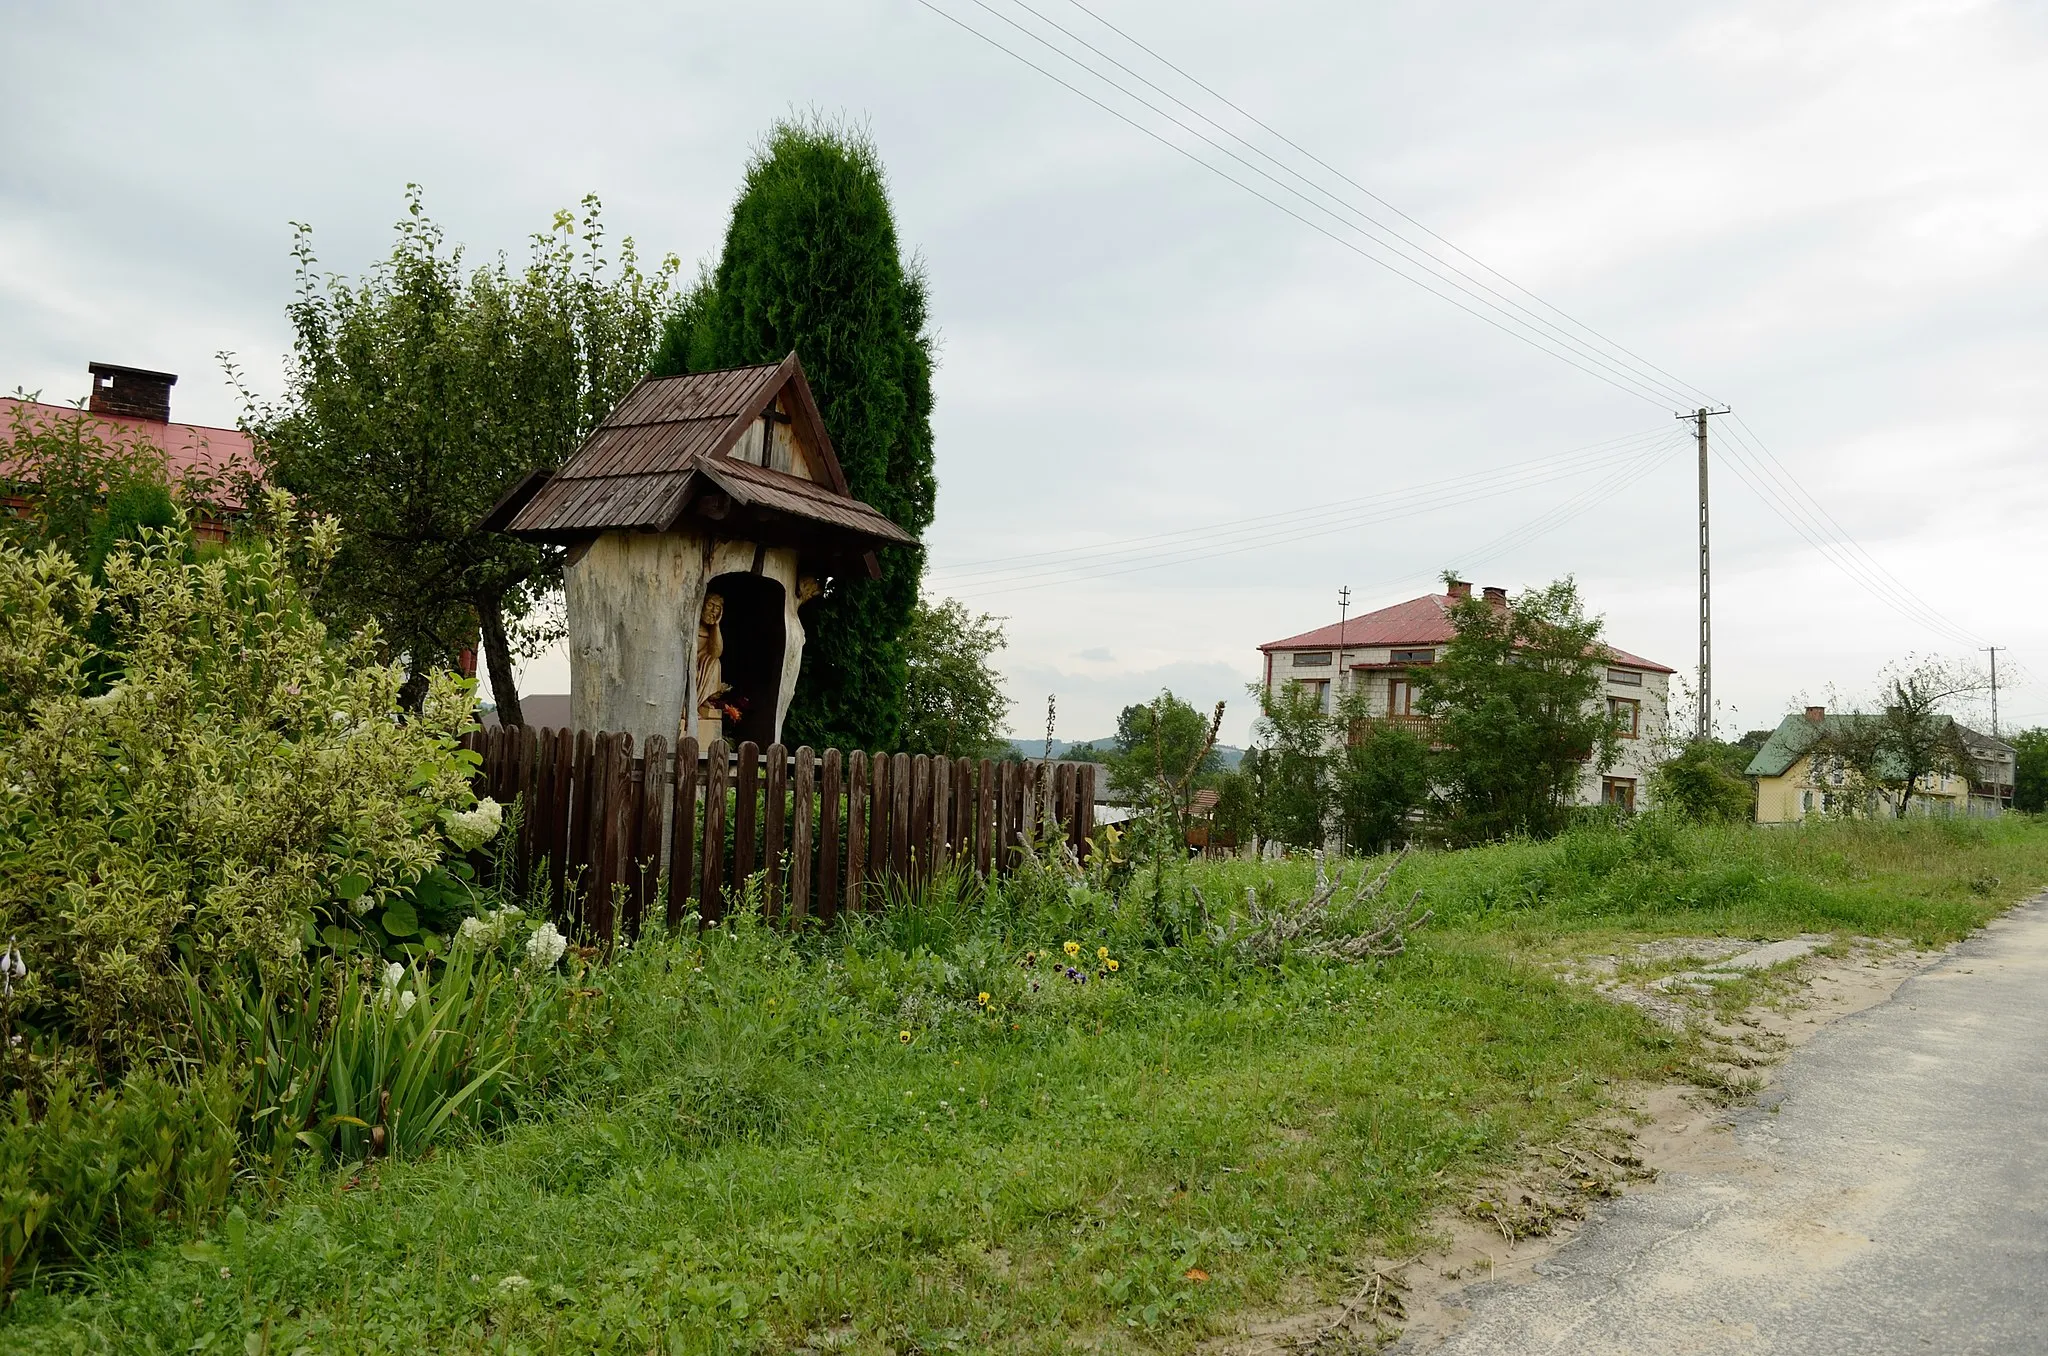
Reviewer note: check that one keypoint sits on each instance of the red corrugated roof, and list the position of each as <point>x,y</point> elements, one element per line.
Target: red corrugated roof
<point>1419,621</point>
<point>220,454</point>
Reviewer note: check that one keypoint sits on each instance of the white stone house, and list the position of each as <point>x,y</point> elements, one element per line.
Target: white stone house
<point>1376,652</point>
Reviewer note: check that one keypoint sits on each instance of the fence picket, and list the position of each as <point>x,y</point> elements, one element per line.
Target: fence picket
<point>802,792</point>
<point>859,811</point>
<point>1084,812</point>
<point>828,835</point>
<point>577,859</point>
<point>774,823</point>
<point>881,801</point>
<point>647,858</point>
<point>682,838</point>
<point>902,794</point>
<point>711,898</point>
<point>920,869</point>
<point>603,834</point>
<point>745,812</point>
<point>942,809</point>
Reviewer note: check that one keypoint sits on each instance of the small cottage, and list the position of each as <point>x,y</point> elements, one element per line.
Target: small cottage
<point>699,518</point>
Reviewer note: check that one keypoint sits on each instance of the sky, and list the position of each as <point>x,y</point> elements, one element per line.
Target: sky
<point>1174,419</point>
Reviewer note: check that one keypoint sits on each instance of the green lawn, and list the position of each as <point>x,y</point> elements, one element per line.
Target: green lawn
<point>767,1144</point>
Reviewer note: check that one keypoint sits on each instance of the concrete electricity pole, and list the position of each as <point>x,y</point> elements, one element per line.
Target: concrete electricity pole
<point>1705,724</point>
<point>1994,649</point>
<point>1343,623</point>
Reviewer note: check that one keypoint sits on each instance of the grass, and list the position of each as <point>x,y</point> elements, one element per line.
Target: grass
<point>829,1142</point>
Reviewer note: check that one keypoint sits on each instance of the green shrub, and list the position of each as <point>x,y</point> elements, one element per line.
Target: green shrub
<point>108,1168</point>
<point>245,779</point>
<point>367,1059</point>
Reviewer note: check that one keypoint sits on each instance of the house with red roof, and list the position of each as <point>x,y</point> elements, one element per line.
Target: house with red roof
<point>1378,652</point>
<point>132,406</point>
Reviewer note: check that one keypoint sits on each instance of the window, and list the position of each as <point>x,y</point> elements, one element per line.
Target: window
<point>1628,715</point>
<point>1311,659</point>
<point>1413,657</point>
<point>1620,792</point>
<point>1400,697</point>
<point>1624,677</point>
<point>1319,688</point>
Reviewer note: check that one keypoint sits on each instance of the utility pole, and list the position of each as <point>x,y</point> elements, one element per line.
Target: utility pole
<point>1343,622</point>
<point>1994,649</point>
<point>1704,728</point>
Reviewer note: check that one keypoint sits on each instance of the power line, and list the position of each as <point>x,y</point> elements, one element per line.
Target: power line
<point>1810,523</point>
<point>1784,473</point>
<point>1285,140</point>
<point>1229,541</point>
<point>1761,470</point>
<point>1407,249</point>
<point>1520,536</point>
<point>1513,475</point>
<point>1627,387</point>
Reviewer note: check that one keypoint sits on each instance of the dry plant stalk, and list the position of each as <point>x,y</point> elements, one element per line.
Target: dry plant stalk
<point>1268,933</point>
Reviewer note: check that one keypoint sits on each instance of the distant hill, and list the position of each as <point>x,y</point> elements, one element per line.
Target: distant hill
<point>1035,748</point>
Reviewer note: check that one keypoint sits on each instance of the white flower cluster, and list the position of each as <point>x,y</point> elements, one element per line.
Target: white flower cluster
<point>471,829</point>
<point>546,946</point>
<point>486,932</point>
<point>388,994</point>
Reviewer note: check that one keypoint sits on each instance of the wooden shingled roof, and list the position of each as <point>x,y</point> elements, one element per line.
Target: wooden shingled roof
<point>664,456</point>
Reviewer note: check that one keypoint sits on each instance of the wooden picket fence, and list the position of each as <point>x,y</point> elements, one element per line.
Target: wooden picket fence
<point>605,832</point>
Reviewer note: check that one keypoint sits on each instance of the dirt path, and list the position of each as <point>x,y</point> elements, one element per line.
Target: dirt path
<point>1888,1192</point>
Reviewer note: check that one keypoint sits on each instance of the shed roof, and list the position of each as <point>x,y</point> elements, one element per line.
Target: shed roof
<point>666,449</point>
<point>1418,622</point>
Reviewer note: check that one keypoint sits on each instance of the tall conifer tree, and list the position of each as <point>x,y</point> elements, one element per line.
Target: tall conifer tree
<point>811,263</point>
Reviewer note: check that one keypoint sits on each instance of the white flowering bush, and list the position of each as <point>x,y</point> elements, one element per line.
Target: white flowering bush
<point>545,947</point>
<point>194,771</point>
<point>471,829</point>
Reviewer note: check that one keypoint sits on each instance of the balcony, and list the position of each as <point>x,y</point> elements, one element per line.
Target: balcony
<point>1421,725</point>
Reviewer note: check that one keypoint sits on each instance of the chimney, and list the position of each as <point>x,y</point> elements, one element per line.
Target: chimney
<point>1495,597</point>
<point>1816,714</point>
<point>1460,589</point>
<point>131,391</point>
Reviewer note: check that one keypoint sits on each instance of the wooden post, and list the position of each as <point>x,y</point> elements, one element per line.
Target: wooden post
<point>1063,803</point>
<point>647,844</point>
<point>1027,817</point>
<point>942,812</point>
<point>920,863</point>
<point>858,788</point>
<point>623,801</point>
<point>802,794</point>
<point>902,785</point>
<point>881,801</point>
<point>580,820</point>
<point>711,895</point>
<point>963,813</point>
<point>1084,813</point>
<point>828,837</point>
<point>610,809</point>
<point>561,793</point>
<point>745,811</point>
<point>522,850</point>
<point>774,822</point>
<point>533,818</point>
<point>1006,808</point>
<point>682,831</point>
<point>984,817</point>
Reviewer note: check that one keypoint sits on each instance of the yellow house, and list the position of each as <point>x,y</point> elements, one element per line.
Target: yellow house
<point>1791,783</point>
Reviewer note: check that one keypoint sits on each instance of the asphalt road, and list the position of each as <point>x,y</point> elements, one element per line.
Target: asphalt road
<point>1890,1194</point>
